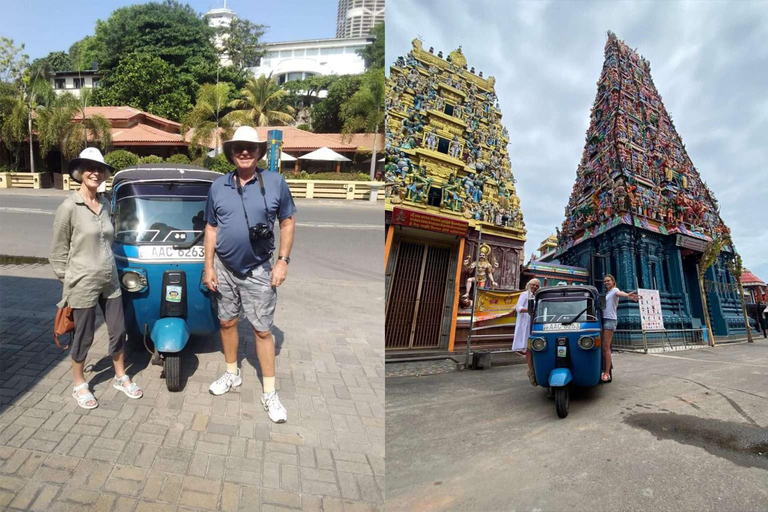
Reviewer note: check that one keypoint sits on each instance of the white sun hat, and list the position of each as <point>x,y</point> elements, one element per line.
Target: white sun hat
<point>88,156</point>
<point>245,134</point>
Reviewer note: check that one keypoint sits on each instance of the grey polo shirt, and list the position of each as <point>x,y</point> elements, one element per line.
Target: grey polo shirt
<point>224,211</point>
<point>81,253</point>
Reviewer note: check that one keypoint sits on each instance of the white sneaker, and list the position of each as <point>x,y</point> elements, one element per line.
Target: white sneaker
<point>274,408</point>
<point>225,383</point>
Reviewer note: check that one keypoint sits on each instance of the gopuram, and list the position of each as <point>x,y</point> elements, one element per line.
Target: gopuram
<point>639,209</point>
<point>448,177</point>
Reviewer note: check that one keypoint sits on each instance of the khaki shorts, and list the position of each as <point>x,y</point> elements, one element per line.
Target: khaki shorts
<point>252,295</point>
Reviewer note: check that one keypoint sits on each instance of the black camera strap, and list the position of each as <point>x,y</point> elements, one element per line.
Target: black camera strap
<point>263,196</point>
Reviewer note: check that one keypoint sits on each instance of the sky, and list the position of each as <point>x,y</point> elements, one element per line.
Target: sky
<point>53,25</point>
<point>709,62</point>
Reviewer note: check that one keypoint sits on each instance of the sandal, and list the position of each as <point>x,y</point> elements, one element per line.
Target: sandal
<point>132,391</point>
<point>532,378</point>
<point>82,400</point>
<point>606,378</point>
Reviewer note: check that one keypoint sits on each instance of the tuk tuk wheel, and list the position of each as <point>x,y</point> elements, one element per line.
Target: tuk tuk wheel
<point>562,401</point>
<point>172,370</point>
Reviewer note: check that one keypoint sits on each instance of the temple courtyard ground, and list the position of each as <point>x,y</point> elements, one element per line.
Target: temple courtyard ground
<point>680,431</point>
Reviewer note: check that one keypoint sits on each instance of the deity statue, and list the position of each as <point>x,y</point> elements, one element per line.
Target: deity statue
<point>418,189</point>
<point>431,139</point>
<point>485,269</point>
<point>452,194</point>
<point>454,148</point>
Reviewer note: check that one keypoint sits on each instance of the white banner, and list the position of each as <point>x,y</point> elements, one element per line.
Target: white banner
<point>651,316</point>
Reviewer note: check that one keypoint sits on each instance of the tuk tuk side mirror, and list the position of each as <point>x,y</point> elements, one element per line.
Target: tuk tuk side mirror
<point>531,307</point>
<point>601,303</point>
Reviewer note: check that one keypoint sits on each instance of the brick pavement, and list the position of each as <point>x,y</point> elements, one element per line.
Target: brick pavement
<point>191,450</point>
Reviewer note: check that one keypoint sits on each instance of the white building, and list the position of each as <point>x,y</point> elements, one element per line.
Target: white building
<point>296,60</point>
<point>217,18</point>
<point>356,18</point>
<point>74,81</point>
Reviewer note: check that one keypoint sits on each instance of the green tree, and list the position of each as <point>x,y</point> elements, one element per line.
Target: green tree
<point>13,61</point>
<point>64,124</point>
<point>121,159</point>
<point>364,111</point>
<point>240,43</point>
<point>168,30</point>
<point>711,253</point>
<point>50,64</point>
<point>374,52</point>
<point>205,119</point>
<point>735,266</point>
<point>84,53</point>
<point>146,82</point>
<point>325,114</point>
<point>261,103</point>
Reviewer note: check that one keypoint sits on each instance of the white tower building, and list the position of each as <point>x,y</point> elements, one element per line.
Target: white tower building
<point>356,18</point>
<point>221,17</point>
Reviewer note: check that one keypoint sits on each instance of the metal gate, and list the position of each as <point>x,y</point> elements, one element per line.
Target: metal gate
<point>416,300</point>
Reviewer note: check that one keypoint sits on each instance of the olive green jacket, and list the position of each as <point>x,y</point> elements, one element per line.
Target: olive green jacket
<point>81,253</point>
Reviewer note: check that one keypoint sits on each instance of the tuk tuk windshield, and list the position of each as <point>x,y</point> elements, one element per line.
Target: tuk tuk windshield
<point>560,310</point>
<point>168,215</point>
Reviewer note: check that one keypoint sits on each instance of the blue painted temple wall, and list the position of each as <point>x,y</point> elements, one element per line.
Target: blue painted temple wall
<point>639,259</point>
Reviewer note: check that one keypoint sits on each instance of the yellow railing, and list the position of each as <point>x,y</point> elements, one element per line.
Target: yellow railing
<point>305,189</point>
<point>21,180</point>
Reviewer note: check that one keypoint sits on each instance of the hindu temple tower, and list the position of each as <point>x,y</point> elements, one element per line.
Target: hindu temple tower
<point>448,177</point>
<point>639,209</point>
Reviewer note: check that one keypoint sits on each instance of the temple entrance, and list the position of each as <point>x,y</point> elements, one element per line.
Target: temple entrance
<point>691,276</point>
<point>416,304</point>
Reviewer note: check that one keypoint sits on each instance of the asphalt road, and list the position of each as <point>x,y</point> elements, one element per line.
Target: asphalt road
<point>682,431</point>
<point>335,240</point>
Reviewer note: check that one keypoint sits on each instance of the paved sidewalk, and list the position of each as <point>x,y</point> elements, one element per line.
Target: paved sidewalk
<point>191,450</point>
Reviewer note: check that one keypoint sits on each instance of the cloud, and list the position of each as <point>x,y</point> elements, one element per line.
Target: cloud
<point>709,61</point>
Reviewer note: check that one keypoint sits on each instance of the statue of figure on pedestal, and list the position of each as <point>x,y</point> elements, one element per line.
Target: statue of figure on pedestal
<point>485,269</point>
<point>431,139</point>
<point>452,194</point>
<point>454,149</point>
<point>418,190</point>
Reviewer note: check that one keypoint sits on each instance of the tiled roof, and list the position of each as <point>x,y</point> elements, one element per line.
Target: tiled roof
<point>123,113</point>
<point>748,278</point>
<point>142,134</point>
<point>360,140</point>
<point>299,140</point>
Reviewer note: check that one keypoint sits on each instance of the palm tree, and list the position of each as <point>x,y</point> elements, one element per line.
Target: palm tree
<point>735,266</point>
<point>709,257</point>
<point>65,124</point>
<point>205,119</point>
<point>18,104</point>
<point>364,111</point>
<point>261,103</point>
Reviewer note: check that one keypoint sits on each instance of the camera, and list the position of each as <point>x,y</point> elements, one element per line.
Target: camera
<point>260,232</point>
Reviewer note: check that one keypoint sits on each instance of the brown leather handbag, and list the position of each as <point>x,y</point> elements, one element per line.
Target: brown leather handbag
<point>64,323</point>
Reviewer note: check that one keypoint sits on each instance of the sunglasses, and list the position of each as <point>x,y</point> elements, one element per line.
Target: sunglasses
<point>94,169</point>
<point>239,148</point>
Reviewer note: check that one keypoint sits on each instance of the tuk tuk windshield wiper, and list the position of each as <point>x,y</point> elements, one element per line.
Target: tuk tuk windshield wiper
<point>569,322</point>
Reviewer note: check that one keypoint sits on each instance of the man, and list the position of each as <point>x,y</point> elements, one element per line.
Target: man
<point>239,243</point>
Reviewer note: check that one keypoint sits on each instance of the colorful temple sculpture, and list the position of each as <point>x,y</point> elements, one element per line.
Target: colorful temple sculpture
<point>639,209</point>
<point>451,203</point>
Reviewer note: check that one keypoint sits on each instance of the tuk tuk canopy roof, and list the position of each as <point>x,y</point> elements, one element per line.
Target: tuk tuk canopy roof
<point>165,172</point>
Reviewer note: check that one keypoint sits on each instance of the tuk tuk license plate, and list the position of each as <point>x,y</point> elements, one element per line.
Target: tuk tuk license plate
<point>167,252</point>
<point>562,327</point>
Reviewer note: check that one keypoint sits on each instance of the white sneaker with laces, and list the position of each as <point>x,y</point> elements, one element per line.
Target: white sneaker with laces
<point>225,383</point>
<point>274,408</point>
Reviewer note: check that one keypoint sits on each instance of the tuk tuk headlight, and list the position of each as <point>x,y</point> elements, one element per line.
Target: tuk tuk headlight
<point>587,342</point>
<point>538,344</point>
<point>133,281</point>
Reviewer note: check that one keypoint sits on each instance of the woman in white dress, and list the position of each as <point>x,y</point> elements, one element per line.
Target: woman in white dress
<point>523,325</point>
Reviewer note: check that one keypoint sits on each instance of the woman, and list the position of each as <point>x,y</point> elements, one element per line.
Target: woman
<point>81,257</point>
<point>609,321</point>
<point>523,326</point>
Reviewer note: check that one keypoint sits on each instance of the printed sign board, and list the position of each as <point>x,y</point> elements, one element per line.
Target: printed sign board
<point>651,317</point>
<point>426,221</point>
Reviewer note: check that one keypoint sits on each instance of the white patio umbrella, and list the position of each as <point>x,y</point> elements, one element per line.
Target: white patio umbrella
<point>326,155</point>
<point>285,157</point>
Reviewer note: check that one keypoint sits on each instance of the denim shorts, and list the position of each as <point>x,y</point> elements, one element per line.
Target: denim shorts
<point>252,294</point>
<point>609,324</point>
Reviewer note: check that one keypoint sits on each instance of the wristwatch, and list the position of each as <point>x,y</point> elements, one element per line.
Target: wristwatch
<point>286,259</point>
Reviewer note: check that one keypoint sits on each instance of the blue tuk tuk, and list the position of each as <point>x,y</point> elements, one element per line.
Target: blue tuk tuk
<point>565,340</point>
<point>158,214</point>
